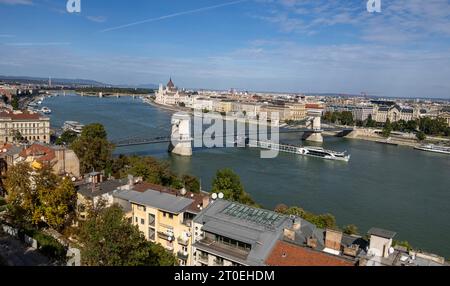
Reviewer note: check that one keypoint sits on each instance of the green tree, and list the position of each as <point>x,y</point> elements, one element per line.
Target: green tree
<point>387,130</point>
<point>108,239</point>
<point>15,103</point>
<point>229,183</point>
<point>346,118</point>
<point>192,184</point>
<point>58,205</point>
<point>93,148</point>
<point>421,136</point>
<point>370,122</point>
<point>351,229</point>
<point>67,138</point>
<point>21,196</point>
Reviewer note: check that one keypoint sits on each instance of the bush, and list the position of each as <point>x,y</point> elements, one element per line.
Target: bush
<point>2,202</point>
<point>48,246</point>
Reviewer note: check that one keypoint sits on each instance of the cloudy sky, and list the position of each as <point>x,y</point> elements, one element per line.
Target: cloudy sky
<point>265,45</point>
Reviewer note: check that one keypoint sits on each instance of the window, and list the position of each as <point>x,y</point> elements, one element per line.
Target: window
<point>136,220</point>
<point>170,216</point>
<point>142,221</point>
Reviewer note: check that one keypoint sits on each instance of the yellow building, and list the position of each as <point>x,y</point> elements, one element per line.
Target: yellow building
<point>164,216</point>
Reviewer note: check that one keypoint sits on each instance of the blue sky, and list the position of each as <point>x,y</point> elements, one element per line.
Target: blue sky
<point>264,45</point>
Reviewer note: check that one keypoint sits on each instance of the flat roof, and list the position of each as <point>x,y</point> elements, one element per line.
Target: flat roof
<point>162,201</point>
<point>382,233</point>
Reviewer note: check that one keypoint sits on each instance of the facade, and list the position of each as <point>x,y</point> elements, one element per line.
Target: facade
<point>164,216</point>
<point>446,116</point>
<point>33,127</point>
<point>93,189</point>
<point>395,113</point>
<point>297,111</point>
<point>170,95</point>
<point>360,113</point>
<point>63,161</point>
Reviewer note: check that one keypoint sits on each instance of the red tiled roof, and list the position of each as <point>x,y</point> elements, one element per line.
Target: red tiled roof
<point>313,106</point>
<point>43,153</point>
<point>20,116</point>
<point>198,198</point>
<point>287,254</point>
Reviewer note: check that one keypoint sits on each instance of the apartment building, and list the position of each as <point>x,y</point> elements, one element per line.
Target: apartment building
<point>33,127</point>
<point>231,234</point>
<point>395,113</point>
<point>360,113</point>
<point>164,216</point>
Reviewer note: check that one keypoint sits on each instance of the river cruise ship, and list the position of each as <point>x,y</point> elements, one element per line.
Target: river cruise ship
<point>434,149</point>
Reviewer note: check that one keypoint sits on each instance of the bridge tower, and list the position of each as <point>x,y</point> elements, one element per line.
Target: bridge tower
<point>181,140</point>
<point>315,124</point>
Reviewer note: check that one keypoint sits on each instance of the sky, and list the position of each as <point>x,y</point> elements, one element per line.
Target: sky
<point>310,46</point>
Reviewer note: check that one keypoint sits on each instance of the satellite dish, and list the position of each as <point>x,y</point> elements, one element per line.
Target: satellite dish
<point>391,251</point>
<point>221,196</point>
<point>183,192</point>
<point>74,179</point>
<point>214,196</point>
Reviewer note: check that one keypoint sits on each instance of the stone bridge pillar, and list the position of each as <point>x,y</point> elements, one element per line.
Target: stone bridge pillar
<point>181,140</point>
<point>315,124</point>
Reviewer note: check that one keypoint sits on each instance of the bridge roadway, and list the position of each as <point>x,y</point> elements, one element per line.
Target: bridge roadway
<point>167,139</point>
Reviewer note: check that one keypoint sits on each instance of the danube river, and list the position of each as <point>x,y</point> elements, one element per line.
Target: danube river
<point>395,188</point>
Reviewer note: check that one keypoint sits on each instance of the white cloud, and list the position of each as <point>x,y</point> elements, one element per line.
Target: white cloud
<point>16,2</point>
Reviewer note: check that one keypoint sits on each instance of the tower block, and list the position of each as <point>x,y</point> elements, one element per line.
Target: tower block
<point>181,140</point>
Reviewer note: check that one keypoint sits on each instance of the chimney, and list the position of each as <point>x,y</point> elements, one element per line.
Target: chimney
<point>205,202</point>
<point>312,242</point>
<point>296,224</point>
<point>333,239</point>
<point>289,234</point>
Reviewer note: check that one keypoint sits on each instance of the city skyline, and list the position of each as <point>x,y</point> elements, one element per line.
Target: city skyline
<point>259,45</point>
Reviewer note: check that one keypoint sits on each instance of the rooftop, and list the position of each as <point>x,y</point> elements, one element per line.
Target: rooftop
<point>382,233</point>
<point>160,200</point>
<point>259,228</point>
<point>287,254</point>
<point>91,190</point>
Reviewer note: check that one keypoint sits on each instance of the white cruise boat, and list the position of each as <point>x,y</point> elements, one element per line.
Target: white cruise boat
<point>46,110</point>
<point>325,154</point>
<point>434,149</point>
<point>73,126</point>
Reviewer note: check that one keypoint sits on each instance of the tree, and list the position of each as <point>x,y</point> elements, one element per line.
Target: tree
<point>421,136</point>
<point>93,148</point>
<point>15,103</point>
<point>229,183</point>
<point>192,184</point>
<point>67,138</point>
<point>109,240</point>
<point>321,221</point>
<point>370,122</point>
<point>58,205</point>
<point>387,129</point>
<point>21,196</point>
<point>351,229</point>
<point>346,118</point>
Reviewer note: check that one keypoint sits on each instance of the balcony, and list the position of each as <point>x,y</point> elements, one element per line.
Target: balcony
<point>182,255</point>
<point>203,258</point>
<point>225,249</point>
<point>181,241</point>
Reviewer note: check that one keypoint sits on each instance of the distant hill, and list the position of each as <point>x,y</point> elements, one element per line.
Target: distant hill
<point>40,80</point>
<point>144,86</point>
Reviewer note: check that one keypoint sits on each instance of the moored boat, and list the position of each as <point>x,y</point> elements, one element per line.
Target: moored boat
<point>434,149</point>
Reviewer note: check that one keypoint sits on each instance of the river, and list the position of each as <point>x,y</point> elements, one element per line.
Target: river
<point>395,188</point>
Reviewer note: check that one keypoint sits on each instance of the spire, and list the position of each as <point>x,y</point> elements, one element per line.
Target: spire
<point>170,83</point>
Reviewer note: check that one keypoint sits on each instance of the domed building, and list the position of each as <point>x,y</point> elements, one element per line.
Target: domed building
<point>170,95</point>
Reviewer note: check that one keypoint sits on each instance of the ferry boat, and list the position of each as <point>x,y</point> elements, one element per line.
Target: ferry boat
<point>73,126</point>
<point>434,149</point>
<point>46,110</point>
<point>325,154</point>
